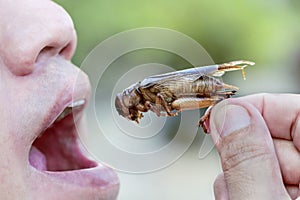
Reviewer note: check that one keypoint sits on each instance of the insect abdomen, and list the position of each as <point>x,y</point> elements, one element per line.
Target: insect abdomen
<point>204,86</point>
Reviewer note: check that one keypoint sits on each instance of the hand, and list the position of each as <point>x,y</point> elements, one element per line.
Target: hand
<point>258,140</point>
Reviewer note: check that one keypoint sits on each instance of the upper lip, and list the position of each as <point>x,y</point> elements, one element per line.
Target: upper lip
<point>57,152</point>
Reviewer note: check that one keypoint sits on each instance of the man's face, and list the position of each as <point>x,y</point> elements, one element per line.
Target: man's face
<point>42,95</point>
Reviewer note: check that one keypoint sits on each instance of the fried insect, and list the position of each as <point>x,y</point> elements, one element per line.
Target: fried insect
<point>170,93</point>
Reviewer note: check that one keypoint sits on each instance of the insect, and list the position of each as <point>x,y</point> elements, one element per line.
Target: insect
<point>170,93</point>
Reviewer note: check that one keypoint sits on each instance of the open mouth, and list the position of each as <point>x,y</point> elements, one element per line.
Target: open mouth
<point>58,148</point>
<point>57,152</point>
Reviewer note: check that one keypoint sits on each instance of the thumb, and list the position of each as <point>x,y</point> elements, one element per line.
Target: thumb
<point>249,162</point>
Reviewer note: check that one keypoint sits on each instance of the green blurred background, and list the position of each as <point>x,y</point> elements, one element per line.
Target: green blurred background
<point>266,32</point>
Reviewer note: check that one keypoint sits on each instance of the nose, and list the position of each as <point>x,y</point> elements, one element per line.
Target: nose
<point>38,31</point>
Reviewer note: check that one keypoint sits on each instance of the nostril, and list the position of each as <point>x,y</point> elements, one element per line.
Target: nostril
<point>35,38</point>
<point>59,46</point>
<point>22,55</point>
<point>68,50</point>
<point>46,53</point>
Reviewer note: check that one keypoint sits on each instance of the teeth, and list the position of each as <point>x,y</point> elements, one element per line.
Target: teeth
<point>69,109</point>
<point>76,103</point>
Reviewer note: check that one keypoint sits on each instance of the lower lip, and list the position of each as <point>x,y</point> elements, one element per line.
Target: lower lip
<point>93,183</point>
<point>94,177</point>
<point>99,182</point>
<point>99,176</point>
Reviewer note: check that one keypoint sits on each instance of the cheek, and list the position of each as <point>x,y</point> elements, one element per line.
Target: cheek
<point>12,156</point>
<point>6,94</point>
<point>19,97</point>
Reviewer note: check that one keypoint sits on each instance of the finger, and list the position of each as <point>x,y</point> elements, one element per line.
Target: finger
<point>289,161</point>
<point>281,113</point>
<point>292,190</point>
<point>248,158</point>
<point>220,188</point>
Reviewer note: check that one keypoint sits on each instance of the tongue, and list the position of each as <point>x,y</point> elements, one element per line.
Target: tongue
<point>37,159</point>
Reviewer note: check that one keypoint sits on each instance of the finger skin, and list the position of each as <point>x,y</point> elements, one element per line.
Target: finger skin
<point>293,191</point>
<point>281,113</point>
<point>220,188</point>
<point>289,160</point>
<point>249,162</point>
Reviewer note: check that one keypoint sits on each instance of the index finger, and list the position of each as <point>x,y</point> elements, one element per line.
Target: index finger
<point>281,113</point>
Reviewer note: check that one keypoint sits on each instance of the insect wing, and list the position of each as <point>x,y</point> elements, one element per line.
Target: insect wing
<point>218,73</point>
<point>186,75</point>
<point>166,81</point>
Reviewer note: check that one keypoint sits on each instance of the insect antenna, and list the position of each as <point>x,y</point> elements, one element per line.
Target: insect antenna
<point>236,65</point>
<point>243,72</point>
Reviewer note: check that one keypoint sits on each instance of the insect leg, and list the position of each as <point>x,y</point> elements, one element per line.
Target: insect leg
<point>194,103</point>
<point>153,108</point>
<point>160,101</point>
<point>190,103</point>
<point>203,119</point>
<point>232,66</point>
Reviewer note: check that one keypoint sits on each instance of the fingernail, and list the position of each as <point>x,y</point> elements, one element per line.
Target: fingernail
<point>230,118</point>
